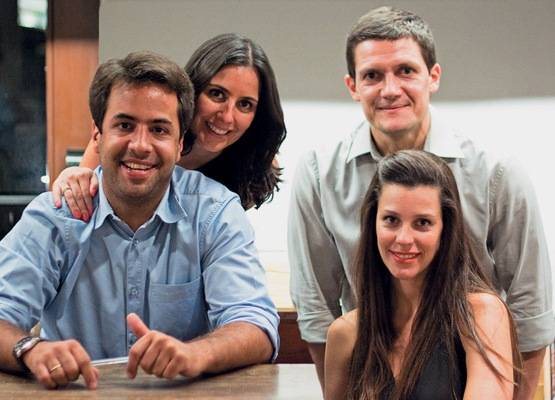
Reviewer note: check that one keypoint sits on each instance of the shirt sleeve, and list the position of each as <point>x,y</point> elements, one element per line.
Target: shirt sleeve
<point>316,269</point>
<point>234,279</point>
<point>517,243</point>
<point>30,255</point>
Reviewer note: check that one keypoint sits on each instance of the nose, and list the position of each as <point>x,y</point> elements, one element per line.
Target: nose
<point>404,235</point>
<point>391,87</point>
<point>226,112</point>
<point>140,143</point>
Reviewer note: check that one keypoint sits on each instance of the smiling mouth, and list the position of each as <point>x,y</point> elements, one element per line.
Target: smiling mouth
<point>392,108</point>
<point>404,256</point>
<point>217,131</point>
<point>136,166</point>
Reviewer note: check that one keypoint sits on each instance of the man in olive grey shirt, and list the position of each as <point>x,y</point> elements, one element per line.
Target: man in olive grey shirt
<point>392,73</point>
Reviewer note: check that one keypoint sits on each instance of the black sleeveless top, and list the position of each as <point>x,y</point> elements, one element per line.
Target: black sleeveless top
<point>434,382</point>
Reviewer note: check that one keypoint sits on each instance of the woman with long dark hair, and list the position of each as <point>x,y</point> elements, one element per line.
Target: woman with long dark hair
<point>236,132</point>
<point>428,324</point>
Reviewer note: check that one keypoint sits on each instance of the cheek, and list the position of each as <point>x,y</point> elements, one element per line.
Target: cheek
<point>204,108</point>
<point>383,238</point>
<point>244,121</point>
<point>433,243</point>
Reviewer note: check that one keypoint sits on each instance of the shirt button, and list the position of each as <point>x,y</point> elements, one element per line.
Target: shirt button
<point>133,292</point>
<point>132,340</point>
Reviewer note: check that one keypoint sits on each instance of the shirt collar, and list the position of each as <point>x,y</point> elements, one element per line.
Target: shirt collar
<point>169,210</point>
<point>361,143</point>
<point>441,140</point>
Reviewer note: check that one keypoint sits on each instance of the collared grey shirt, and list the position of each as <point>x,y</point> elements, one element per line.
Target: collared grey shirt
<point>499,206</point>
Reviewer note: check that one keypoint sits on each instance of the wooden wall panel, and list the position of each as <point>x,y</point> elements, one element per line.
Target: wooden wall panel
<point>293,350</point>
<point>71,60</point>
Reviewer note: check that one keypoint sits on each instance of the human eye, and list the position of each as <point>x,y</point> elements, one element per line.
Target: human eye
<point>390,220</point>
<point>423,223</point>
<point>406,70</point>
<point>246,106</point>
<point>216,94</point>
<point>371,75</point>
<point>124,126</point>
<point>159,130</point>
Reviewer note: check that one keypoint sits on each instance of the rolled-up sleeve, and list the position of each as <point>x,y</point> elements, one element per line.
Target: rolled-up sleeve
<point>316,268</point>
<point>234,279</point>
<point>519,249</point>
<point>29,255</point>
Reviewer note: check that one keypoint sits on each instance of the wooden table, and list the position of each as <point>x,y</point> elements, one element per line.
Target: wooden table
<point>276,381</point>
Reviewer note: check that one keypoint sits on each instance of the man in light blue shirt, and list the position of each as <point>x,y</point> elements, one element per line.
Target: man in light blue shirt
<point>167,256</point>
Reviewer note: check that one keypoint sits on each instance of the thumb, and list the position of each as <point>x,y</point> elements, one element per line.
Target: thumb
<point>137,325</point>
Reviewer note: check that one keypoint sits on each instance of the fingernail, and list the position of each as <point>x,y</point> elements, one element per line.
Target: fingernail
<point>58,204</point>
<point>77,214</point>
<point>85,217</point>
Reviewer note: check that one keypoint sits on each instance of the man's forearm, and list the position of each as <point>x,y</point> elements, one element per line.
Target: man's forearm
<point>9,335</point>
<point>532,363</point>
<point>234,345</point>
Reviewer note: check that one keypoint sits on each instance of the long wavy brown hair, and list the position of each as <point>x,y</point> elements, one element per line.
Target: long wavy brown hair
<point>444,313</point>
<point>246,167</point>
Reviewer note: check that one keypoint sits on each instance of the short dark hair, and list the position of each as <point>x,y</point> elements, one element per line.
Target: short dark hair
<point>390,23</point>
<point>139,68</point>
<point>246,167</point>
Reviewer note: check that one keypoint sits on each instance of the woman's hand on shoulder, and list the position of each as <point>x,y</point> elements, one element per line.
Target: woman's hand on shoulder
<point>339,349</point>
<point>78,185</point>
<point>493,326</point>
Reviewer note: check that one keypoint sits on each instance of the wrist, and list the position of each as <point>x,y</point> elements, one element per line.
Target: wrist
<point>22,348</point>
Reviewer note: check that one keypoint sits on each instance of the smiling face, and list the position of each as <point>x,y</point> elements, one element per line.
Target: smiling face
<point>225,110</point>
<point>139,144</point>
<point>393,84</point>
<point>408,229</point>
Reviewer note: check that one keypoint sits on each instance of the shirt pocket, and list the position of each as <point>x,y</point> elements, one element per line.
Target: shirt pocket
<point>178,310</point>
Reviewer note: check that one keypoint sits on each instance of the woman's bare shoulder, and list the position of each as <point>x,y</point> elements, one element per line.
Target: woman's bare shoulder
<point>490,314</point>
<point>483,303</point>
<point>344,328</point>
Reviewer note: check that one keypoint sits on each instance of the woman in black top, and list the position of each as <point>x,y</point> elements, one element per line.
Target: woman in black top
<point>428,325</point>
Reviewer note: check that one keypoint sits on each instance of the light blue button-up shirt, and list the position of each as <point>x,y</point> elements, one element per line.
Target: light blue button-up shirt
<point>191,268</point>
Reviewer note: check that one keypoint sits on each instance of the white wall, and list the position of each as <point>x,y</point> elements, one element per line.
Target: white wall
<point>489,50</point>
<point>519,127</point>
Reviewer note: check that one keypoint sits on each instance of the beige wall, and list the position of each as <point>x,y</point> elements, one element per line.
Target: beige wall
<point>487,48</point>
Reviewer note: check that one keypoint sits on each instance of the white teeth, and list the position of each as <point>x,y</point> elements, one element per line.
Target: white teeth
<point>405,256</point>
<point>217,130</point>
<point>133,165</point>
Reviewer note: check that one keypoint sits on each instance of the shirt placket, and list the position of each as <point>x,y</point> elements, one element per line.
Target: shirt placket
<point>136,276</point>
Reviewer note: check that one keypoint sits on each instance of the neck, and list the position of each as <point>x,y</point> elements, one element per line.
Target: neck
<point>197,158</point>
<point>134,212</point>
<point>134,217</point>
<point>413,139</point>
<point>406,299</point>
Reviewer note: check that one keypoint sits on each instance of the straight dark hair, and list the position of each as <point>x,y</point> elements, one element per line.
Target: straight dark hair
<point>247,166</point>
<point>444,313</point>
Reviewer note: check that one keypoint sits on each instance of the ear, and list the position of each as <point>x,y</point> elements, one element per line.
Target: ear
<point>95,137</point>
<point>435,76</point>
<point>351,85</point>
<point>180,149</point>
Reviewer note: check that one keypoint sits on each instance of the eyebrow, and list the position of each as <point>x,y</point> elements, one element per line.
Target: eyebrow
<point>425,215</point>
<point>132,118</point>
<point>227,92</point>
